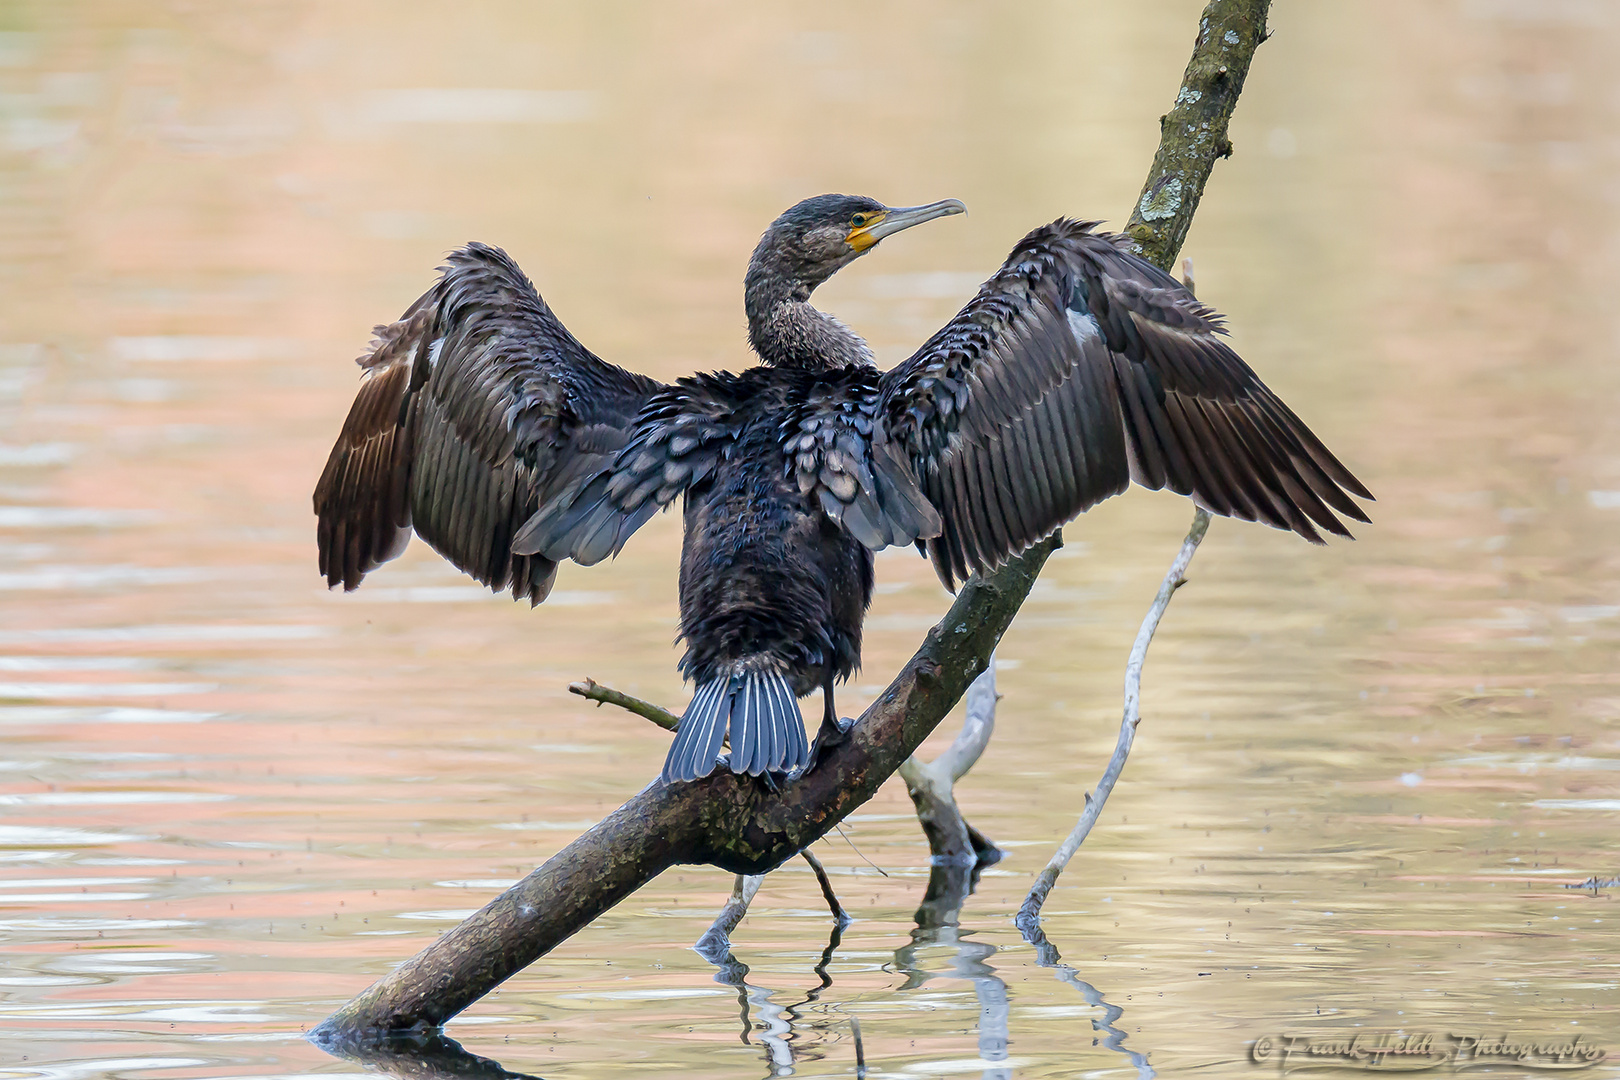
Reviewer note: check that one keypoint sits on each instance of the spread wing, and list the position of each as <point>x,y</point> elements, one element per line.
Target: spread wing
<point>679,438</point>
<point>1079,367</point>
<point>476,410</point>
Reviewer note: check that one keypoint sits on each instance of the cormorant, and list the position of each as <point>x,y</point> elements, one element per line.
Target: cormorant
<point>482,424</point>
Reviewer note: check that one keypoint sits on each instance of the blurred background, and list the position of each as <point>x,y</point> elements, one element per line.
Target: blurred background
<point>1366,774</point>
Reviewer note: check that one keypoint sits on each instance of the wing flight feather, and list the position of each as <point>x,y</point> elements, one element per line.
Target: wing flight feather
<point>477,409</point>
<point>1077,368</point>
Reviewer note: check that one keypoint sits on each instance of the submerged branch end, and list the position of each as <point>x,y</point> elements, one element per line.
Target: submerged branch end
<point>932,785</point>
<point>716,940</point>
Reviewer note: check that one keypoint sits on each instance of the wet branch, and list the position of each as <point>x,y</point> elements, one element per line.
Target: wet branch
<point>738,823</point>
<point>716,941</point>
<point>931,785</point>
<point>1030,914</point>
<point>734,822</point>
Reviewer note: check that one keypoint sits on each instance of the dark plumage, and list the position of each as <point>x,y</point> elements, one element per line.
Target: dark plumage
<point>482,424</point>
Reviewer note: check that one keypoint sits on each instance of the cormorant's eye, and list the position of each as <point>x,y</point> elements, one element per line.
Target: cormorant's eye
<point>858,221</point>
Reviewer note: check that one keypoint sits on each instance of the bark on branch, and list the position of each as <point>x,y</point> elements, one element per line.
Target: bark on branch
<point>735,822</point>
<point>1192,135</point>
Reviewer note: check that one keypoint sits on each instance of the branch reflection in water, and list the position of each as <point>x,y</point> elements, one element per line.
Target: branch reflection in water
<point>1047,955</point>
<point>793,1035</point>
<point>939,923</point>
<point>421,1056</point>
<point>783,1031</point>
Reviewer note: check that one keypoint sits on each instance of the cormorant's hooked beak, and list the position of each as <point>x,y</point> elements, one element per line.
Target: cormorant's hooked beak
<point>897,218</point>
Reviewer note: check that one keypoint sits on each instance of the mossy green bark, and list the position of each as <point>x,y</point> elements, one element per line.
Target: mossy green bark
<point>1192,135</point>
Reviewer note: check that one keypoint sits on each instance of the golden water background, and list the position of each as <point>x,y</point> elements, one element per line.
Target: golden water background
<point>229,799</point>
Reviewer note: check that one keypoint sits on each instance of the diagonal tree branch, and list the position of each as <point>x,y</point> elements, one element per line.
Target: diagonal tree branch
<point>1193,134</point>
<point>737,823</point>
<point>734,822</point>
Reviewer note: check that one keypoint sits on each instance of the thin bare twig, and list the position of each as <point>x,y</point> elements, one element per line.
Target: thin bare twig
<point>1030,914</point>
<point>592,690</point>
<point>839,914</point>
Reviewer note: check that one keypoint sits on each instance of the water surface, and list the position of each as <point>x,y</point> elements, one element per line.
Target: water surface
<point>230,799</point>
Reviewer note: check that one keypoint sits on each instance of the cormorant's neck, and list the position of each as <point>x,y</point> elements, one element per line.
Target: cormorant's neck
<point>786,330</point>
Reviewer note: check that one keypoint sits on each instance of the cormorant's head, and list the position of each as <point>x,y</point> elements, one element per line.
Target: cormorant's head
<point>813,240</point>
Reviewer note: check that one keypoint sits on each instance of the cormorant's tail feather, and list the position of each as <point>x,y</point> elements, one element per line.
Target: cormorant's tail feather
<point>702,727</point>
<point>761,714</point>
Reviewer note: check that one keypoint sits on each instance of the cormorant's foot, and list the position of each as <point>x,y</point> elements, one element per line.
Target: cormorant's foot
<point>828,736</point>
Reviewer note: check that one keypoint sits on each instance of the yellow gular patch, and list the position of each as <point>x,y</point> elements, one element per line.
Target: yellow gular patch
<point>860,237</point>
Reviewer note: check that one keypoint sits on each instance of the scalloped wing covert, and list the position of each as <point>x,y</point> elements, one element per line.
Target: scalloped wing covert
<point>835,451</point>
